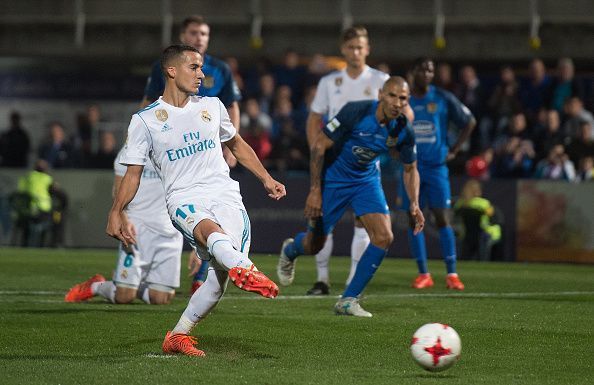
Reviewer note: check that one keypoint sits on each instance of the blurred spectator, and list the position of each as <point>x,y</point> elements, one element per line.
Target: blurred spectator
<point>514,159</point>
<point>504,102</point>
<point>586,170</point>
<point>32,206</point>
<point>14,144</point>
<point>384,67</point>
<point>300,114</point>
<point>291,74</point>
<point>283,110</point>
<point>234,67</point>
<point>548,135</point>
<point>479,229</point>
<point>443,77</point>
<point>583,145</point>
<point>289,149</point>
<point>105,156</point>
<point>575,114</point>
<point>565,85</point>
<point>534,90</point>
<point>557,165</point>
<point>255,128</point>
<point>315,70</point>
<point>56,150</point>
<point>471,94</point>
<point>266,93</point>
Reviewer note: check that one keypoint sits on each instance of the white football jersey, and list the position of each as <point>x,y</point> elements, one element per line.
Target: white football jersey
<point>338,88</point>
<point>148,205</point>
<point>184,145</point>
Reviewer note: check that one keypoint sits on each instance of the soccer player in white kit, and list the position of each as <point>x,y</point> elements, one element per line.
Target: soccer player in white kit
<point>149,270</point>
<point>357,81</point>
<point>182,135</point>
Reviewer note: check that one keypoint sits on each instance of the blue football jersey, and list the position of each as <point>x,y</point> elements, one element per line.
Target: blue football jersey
<point>359,139</point>
<point>433,112</point>
<point>218,81</point>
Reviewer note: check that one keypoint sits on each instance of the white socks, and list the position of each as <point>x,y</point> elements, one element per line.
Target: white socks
<point>221,247</point>
<point>322,259</point>
<point>204,300</point>
<point>104,289</point>
<point>360,243</point>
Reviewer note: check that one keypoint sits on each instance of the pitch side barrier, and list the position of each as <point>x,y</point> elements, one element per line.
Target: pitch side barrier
<point>542,220</point>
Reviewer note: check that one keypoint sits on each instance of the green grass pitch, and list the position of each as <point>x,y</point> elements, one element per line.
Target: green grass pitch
<point>519,324</point>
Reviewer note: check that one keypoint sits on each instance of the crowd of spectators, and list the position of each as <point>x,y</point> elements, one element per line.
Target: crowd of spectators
<point>532,126</point>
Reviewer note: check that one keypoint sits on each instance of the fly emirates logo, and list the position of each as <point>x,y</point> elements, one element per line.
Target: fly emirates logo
<point>193,145</point>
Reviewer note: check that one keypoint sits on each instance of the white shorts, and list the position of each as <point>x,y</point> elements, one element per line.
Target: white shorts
<point>233,220</point>
<point>155,259</point>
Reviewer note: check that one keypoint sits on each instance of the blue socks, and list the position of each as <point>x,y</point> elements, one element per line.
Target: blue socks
<point>418,250</point>
<point>447,243</point>
<point>295,248</point>
<point>202,272</point>
<point>366,268</point>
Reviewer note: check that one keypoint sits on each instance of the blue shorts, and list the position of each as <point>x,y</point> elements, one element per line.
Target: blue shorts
<point>434,191</point>
<point>363,198</point>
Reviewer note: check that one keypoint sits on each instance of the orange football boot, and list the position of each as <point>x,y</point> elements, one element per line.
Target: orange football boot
<point>82,291</point>
<point>422,281</point>
<point>253,280</point>
<point>181,343</point>
<point>453,282</point>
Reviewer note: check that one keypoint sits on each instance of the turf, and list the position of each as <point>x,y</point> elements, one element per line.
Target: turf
<point>519,324</point>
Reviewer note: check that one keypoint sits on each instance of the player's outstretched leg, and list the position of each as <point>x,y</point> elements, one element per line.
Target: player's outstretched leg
<point>370,262</point>
<point>290,250</point>
<point>322,285</point>
<point>182,344</point>
<point>83,291</point>
<point>419,251</point>
<point>447,243</point>
<point>358,246</point>
<point>241,269</point>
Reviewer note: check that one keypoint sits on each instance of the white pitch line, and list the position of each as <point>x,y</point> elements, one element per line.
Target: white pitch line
<point>6,294</point>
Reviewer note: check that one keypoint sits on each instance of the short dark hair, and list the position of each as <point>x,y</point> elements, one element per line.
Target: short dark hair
<point>193,19</point>
<point>420,61</point>
<point>174,52</point>
<point>353,32</point>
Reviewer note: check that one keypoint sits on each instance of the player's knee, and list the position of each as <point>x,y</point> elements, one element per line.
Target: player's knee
<point>383,238</point>
<point>160,298</point>
<point>124,297</point>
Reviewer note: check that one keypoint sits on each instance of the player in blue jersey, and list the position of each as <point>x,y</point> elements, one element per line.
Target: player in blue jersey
<point>218,81</point>
<point>344,174</point>
<point>434,109</point>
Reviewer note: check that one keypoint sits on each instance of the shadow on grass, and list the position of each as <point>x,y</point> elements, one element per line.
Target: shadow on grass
<point>235,348</point>
<point>434,376</point>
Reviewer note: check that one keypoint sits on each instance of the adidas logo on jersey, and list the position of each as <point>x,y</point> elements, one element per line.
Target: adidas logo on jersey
<point>166,127</point>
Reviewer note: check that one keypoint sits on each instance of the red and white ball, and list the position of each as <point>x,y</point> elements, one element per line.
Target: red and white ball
<point>436,347</point>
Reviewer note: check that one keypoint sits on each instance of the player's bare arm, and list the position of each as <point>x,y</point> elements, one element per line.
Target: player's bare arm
<point>234,116</point>
<point>313,204</point>
<point>117,182</point>
<point>248,158</point>
<point>411,184</point>
<point>463,137</point>
<point>313,127</point>
<point>116,222</point>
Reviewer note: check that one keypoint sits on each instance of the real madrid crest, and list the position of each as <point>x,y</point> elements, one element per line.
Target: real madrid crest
<point>208,82</point>
<point>432,108</point>
<point>205,116</point>
<point>367,91</point>
<point>124,274</point>
<point>190,221</point>
<point>161,115</point>
<point>338,81</point>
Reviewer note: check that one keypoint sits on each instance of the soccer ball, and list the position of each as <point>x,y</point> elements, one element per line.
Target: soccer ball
<point>435,347</point>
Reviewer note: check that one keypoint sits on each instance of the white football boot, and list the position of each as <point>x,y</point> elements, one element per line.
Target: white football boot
<point>285,268</point>
<point>350,306</point>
